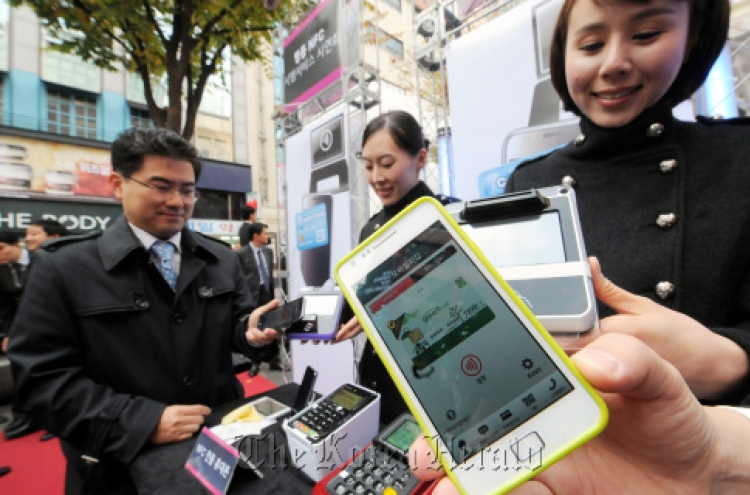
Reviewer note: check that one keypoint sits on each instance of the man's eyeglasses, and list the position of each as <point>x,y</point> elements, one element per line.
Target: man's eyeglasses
<point>167,190</point>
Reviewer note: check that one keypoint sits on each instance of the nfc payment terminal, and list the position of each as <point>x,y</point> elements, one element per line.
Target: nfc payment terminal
<point>331,430</point>
<point>534,240</point>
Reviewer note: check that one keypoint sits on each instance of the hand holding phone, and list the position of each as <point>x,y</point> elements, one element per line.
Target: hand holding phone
<point>281,317</point>
<point>492,391</point>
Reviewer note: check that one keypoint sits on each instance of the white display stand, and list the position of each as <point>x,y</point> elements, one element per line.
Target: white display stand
<point>334,362</point>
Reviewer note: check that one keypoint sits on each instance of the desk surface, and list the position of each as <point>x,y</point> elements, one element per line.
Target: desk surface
<point>161,469</point>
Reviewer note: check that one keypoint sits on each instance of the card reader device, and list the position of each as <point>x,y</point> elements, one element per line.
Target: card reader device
<point>534,240</point>
<point>330,431</point>
<point>382,466</point>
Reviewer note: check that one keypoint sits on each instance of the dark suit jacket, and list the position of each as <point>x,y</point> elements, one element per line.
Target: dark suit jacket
<point>252,274</point>
<point>11,287</point>
<point>244,234</point>
<point>98,325</point>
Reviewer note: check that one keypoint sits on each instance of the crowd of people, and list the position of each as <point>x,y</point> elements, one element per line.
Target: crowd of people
<point>123,338</point>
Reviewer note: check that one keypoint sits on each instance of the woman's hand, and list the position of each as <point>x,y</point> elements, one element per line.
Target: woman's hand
<point>711,364</point>
<point>348,330</point>
<point>659,439</point>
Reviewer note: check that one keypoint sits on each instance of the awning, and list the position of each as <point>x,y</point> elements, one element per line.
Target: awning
<point>227,177</point>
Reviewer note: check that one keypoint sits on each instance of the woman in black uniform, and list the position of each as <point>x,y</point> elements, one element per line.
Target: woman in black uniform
<point>393,152</point>
<point>664,204</point>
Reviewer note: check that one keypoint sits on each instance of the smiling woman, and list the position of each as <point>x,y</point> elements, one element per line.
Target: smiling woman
<point>663,203</point>
<point>393,153</point>
<point>621,60</point>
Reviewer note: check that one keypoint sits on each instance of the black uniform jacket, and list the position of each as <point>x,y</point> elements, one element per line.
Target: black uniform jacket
<point>665,206</point>
<point>372,372</point>
<point>97,323</point>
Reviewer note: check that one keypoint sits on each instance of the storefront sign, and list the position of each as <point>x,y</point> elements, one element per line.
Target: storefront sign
<point>79,218</point>
<point>53,169</point>
<point>215,227</point>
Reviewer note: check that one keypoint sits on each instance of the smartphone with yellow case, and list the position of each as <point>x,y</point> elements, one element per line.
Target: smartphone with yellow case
<point>497,398</point>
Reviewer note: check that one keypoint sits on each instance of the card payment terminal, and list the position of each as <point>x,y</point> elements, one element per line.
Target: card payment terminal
<point>330,431</point>
<point>384,466</point>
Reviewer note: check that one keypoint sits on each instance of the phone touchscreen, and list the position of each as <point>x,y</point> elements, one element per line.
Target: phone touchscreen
<point>472,364</point>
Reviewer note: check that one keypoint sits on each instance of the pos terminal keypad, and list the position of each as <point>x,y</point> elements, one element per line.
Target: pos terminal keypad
<point>321,419</point>
<point>383,467</point>
<point>318,420</point>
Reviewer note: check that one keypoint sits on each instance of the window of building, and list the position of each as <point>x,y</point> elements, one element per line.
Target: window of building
<point>4,25</point>
<point>219,204</point>
<point>394,46</point>
<point>140,117</point>
<point>135,92</point>
<point>67,69</point>
<point>214,145</point>
<point>396,4</point>
<point>217,98</point>
<point>388,41</point>
<point>70,113</point>
<point>223,150</point>
<point>204,146</point>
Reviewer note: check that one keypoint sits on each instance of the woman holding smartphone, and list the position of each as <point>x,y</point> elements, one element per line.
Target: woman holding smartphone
<point>393,152</point>
<point>681,282</point>
<point>664,204</point>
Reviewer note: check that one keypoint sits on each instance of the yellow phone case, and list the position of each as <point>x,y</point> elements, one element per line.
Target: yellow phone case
<point>382,353</point>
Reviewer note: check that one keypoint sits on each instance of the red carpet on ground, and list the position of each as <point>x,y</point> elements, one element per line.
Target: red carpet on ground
<point>38,468</point>
<point>255,385</point>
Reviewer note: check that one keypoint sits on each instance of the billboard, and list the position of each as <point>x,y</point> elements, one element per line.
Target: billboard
<point>312,56</point>
<point>53,170</point>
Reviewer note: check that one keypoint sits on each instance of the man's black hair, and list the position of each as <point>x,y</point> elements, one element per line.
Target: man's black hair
<point>246,212</point>
<point>256,229</point>
<point>51,227</point>
<point>132,146</point>
<point>8,237</point>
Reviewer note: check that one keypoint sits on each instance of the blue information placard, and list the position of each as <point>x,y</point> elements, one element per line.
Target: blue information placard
<point>312,227</point>
<point>212,462</point>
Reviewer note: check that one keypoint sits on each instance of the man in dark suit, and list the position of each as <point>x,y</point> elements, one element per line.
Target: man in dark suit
<point>123,338</point>
<point>11,286</point>
<point>257,264</point>
<point>14,261</point>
